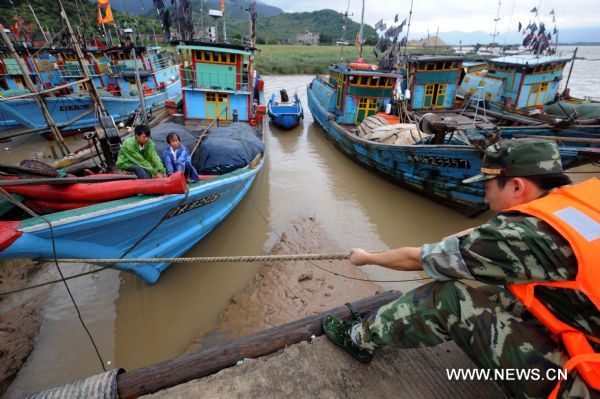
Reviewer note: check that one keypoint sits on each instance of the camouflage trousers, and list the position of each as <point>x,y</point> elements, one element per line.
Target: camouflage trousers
<point>487,323</point>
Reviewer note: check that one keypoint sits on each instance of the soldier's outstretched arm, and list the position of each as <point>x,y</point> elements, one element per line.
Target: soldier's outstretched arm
<point>405,258</point>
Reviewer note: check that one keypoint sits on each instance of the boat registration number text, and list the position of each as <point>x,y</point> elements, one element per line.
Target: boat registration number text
<point>459,163</point>
<point>190,206</point>
<point>73,107</point>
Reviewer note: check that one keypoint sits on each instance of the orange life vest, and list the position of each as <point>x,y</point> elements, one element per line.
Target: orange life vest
<point>574,212</point>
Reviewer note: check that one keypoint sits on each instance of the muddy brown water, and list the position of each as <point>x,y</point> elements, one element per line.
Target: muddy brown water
<point>135,324</point>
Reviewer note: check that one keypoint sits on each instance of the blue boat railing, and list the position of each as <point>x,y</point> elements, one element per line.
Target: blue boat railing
<point>215,80</point>
<point>160,62</point>
<point>74,69</point>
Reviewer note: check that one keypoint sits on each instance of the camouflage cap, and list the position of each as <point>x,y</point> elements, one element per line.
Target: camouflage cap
<point>519,158</point>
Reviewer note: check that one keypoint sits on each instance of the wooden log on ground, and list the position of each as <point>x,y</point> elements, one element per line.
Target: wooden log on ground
<point>204,362</point>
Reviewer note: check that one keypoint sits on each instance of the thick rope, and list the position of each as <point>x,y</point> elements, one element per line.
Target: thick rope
<point>213,259</point>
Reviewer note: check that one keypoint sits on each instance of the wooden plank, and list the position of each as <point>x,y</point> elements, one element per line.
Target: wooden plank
<point>199,364</point>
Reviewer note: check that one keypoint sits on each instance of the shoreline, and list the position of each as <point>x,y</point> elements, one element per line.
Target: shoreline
<point>286,291</point>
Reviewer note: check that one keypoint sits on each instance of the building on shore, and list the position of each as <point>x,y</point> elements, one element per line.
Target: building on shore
<point>307,37</point>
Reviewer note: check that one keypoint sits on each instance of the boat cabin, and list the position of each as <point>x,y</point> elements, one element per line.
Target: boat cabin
<point>155,69</point>
<point>11,77</point>
<point>217,81</point>
<point>361,91</point>
<point>516,81</point>
<point>433,81</point>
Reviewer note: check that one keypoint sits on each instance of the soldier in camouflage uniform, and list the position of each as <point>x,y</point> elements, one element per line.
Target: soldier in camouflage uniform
<point>488,323</point>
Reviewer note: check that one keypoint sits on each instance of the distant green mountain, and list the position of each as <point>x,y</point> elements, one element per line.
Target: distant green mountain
<point>79,13</point>
<point>232,7</point>
<point>279,27</point>
<point>328,23</point>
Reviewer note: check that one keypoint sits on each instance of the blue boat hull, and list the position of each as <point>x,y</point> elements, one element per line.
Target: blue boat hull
<point>26,113</point>
<point>285,116</point>
<point>285,121</point>
<point>435,171</point>
<point>112,229</point>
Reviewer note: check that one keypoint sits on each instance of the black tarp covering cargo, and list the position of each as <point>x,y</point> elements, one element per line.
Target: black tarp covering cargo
<point>222,150</point>
<point>227,148</point>
<point>160,132</point>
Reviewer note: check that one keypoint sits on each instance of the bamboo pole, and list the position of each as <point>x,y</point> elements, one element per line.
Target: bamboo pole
<point>571,69</point>
<point>39,98</point>
<point>91,88</point>
<point>138,83</point>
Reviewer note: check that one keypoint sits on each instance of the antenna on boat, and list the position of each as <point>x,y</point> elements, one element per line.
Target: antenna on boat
<point>344,27</point>
<point>38,96</point>
<point>496,22</point>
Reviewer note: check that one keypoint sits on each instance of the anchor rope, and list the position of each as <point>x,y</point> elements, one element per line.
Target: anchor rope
<point>212,259</point>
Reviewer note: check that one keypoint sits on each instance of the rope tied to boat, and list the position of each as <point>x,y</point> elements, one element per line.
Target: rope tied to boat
<point>213,259</point>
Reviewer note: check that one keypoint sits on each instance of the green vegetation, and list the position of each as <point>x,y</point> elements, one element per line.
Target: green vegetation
<point>297,59</point>
<point>82,14</point>
<point>290,59</point>
<point>328,23</point>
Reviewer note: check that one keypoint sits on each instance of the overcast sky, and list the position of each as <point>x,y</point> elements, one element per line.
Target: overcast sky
<point>459,15</point>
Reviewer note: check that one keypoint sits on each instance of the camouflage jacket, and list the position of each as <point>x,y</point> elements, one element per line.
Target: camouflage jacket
<point>515,248</point>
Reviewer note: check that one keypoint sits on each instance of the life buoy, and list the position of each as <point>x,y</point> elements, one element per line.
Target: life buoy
<point>358,65</point>
<point>253,122</point>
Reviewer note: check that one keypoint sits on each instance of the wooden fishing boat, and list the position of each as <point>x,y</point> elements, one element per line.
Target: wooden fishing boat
<point>72,108</point>
<point>433,165</point>
<point>159,225</point>
<point>285,113</point>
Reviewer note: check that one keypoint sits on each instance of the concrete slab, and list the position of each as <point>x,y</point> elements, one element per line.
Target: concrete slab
<point>320,369</point>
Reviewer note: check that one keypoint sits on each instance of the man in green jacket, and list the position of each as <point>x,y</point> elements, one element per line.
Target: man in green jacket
<point>138,155</point>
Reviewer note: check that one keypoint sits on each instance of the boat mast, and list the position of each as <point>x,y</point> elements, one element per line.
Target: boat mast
<point>38,23</point>
<point>87,81</point>
<point>38,97</point>
<point>571,69</point>
<point>344,32</point>
<point>496,22</point>
<point>360,34</point>
<point>138,83</point>
<point>408,28</point>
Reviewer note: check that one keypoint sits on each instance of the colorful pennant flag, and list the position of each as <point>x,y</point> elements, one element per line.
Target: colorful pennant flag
<point>107,17</point>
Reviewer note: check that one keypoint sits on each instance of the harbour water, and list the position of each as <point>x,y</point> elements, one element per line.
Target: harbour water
<point>135,324</point>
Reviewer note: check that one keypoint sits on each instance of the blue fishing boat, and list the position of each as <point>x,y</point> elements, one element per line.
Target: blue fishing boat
<point>221,92</point>
<point>516,83</point>
<point>347,104</point>
<point>285,114</point>
<point>113,73</point>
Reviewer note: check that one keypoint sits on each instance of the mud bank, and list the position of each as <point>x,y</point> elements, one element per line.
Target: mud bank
<point>285,291</point>
<point>20,317</point>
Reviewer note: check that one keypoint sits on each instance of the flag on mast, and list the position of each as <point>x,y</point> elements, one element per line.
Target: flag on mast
<point>107,17</point>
